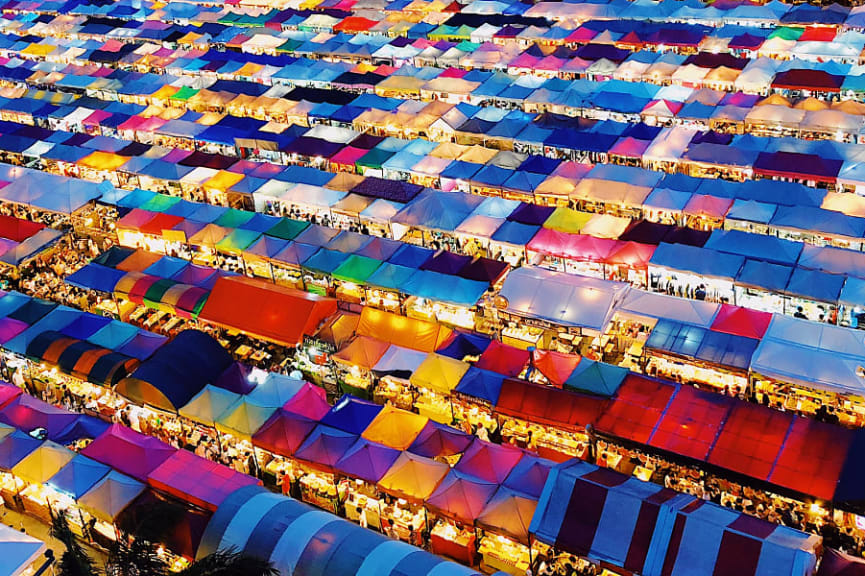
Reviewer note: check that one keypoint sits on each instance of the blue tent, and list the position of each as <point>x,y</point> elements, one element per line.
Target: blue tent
<point>78,476</point>
<point>351,414</point>
<point>697,342</point>
<point>700,261</point>
<point>482,384</point>
<point>815,285</point>
<point>95,277</point>
<point>300,539</point>
<point>177,371</point>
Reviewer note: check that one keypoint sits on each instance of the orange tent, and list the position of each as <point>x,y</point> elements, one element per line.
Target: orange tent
<point>407,332</point>
<point>395,428</point>
<point>363,352</point>
<point>413,477</point>
<point>264,310</point>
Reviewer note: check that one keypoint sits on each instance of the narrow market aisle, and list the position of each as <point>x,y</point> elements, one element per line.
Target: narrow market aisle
<point>37,529</point>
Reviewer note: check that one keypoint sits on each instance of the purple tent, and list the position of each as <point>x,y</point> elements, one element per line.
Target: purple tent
<point>394,190</point>
<point>27,413</point>
<point>437,440</point>
<point>446,263</point>
<point>533,214</point>
<point>367,460</point>
<point>325,446</point>
<point>529,475</point>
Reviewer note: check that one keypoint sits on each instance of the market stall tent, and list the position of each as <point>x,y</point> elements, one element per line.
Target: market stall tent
<point>437,440</point>
<point>128,451</point>
<point>78,476</point>
<point>395,427</point>
<point>413,477</point>
<point>111,495</point>
<point>264,310</point>
<point>18,551</point>
<point>306,540</point>
<point>197,480</point>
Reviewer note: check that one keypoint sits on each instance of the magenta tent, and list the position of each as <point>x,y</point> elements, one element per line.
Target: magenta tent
<point>367,460</point>
<point>196,480</point>
<point>488,461</point>
<point>283,433</point>
<point>310,402</point>
<point>461,497</point>
<point>129,452</point>
<point>436,440</point>
<point>10,328</point>
<point>8,393</point>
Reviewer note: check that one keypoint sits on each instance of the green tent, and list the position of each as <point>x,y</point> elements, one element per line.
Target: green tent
<point>287,228</point>
<point>356,269</point>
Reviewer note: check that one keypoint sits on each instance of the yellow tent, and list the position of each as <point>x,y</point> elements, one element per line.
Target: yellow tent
<point>395,428</point>
<point>567,220</point>
<point>103,161</point>
<point>439,373</point>
<point>556,186</point>
<point>223,180</point>
<point>413,477</point>
<point>243,419</point>
<point>43,463</point>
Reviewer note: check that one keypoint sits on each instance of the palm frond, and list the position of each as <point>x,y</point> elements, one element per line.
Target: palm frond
<point>230,562</point>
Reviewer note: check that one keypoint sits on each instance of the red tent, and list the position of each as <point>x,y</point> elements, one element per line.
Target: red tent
<point>691,423</point>
<point>197,480</point>
<point>264,310</point>
<point>741,321</point>
<point>17,229</point>
<point>633,254</point>
<point>548,405</point>
<point>555,366</point>
<point>503,359</point>
<point>635,411</point>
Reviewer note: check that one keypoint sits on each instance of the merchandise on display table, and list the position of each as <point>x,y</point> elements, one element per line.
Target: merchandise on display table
<point>447,539</point>
<point>501,553</point>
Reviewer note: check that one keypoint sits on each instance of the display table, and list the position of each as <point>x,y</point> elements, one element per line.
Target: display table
<point>447,540</point>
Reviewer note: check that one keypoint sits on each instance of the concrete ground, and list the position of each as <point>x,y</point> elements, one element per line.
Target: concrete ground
<point>40,530</point>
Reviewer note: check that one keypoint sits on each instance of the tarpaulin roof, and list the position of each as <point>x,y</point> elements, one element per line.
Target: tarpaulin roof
<point>78,476</point>
<point>197,480</point>
<point>437,440</point>
<point>367,460</point>
<point>509,512</point>
<point>503,359</point>
<point>264,310</point>
<point>488,461</point>
<point>128,451</point>
<point>325,446</point>
<point>413,477</point>
<point>28,413</point>
<point>206,406</point>
<point>395,427</point>
<point>111,495</point>
<point>741,321</point>
<point>719,348</point>
<point>351,414</point>
<point>461,496</point>
<point>596,378</point>
<point>611,518</point>
<point>177,371</point>
<point>43,463</point>
<point>303,539</point>
<point>396,329</point>
<point>538,293</point>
